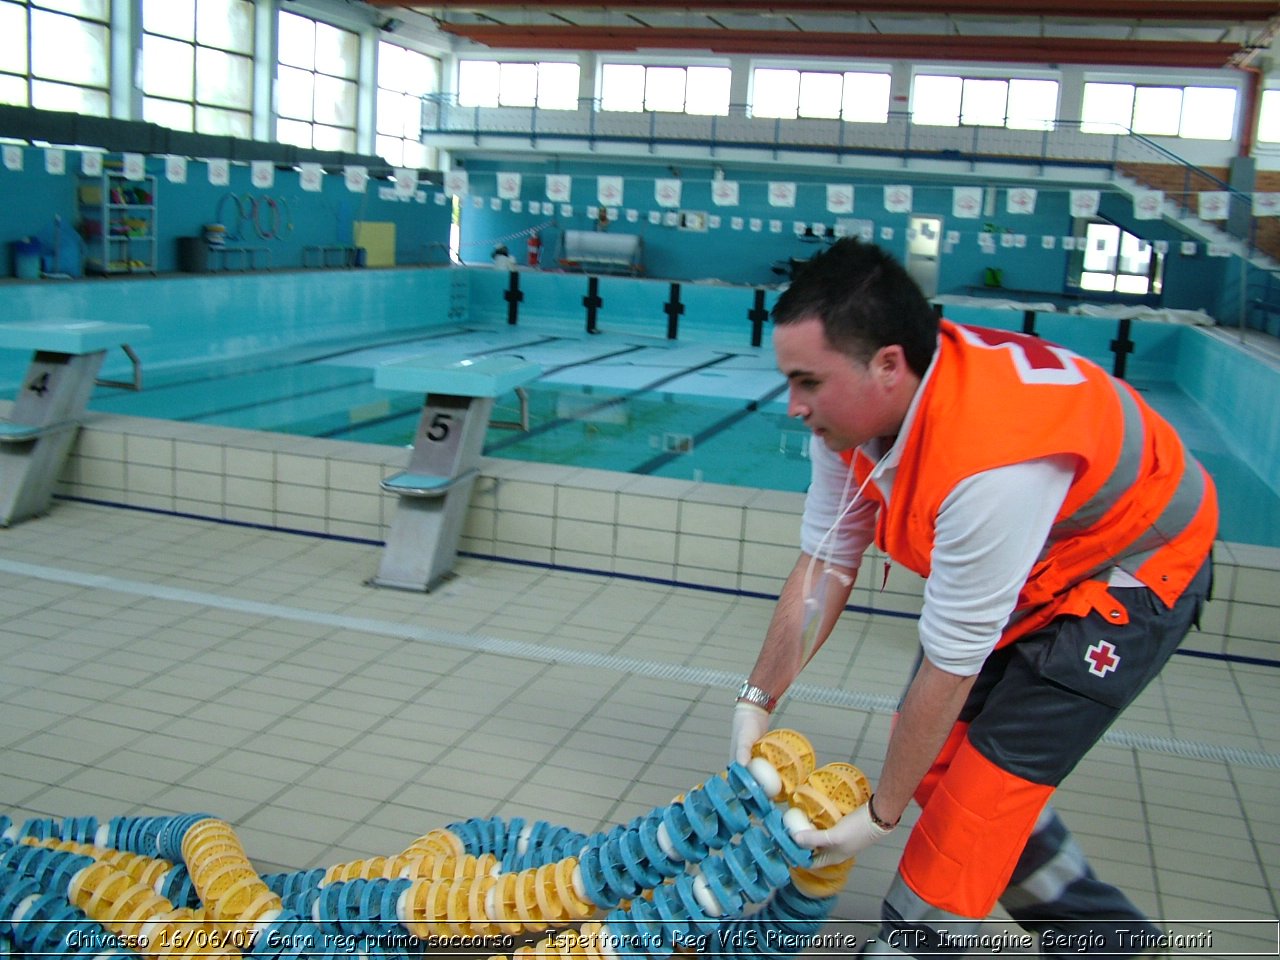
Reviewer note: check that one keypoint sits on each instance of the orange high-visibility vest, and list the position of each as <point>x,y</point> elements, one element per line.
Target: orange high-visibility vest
<point>1139,500</point>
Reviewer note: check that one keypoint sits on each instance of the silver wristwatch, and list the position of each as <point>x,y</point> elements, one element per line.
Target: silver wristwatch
<point>750,693</point>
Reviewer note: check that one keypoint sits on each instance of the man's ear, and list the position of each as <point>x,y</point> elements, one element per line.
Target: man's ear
<point>889,365</point>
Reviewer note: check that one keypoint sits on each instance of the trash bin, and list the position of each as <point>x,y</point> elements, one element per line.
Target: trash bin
<point>26,258</point>
<point>193,255</point>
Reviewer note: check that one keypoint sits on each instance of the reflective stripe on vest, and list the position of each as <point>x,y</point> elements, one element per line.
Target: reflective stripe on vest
<point>1139,499</point>
<point>1123,475</point>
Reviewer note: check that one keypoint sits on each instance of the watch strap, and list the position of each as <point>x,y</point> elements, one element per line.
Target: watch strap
<point>750,693</point>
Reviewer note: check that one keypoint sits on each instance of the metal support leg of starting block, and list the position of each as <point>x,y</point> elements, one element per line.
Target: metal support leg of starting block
<point>37,436</point>
<point>435,489</point>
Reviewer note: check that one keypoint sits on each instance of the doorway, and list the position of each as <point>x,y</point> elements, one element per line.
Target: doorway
<point>924,244</point>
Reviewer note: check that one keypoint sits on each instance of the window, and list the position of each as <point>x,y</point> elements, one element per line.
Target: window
<point>1269,117</point>
<point>792,94</point>
<point>1115,261</point>
<point>56,55</point>
<point>1199,113</point>
<point>404,77</point>
<point>316,84</point>
<point>197,65</point>
<point>1017,104</point>
<point>634,88</point>
<point>493,83</point>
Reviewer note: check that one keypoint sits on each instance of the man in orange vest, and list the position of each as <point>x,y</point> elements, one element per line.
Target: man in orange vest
<point>1064,532</point>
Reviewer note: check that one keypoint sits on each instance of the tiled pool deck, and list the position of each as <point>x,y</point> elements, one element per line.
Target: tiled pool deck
<point>202,638</point>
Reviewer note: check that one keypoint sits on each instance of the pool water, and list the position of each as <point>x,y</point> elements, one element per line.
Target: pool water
<point>619,402</point>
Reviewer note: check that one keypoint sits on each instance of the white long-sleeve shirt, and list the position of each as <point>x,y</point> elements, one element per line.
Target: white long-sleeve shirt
<point>990,530</point>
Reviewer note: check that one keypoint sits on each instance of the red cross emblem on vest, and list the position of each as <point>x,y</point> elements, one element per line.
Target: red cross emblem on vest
<point>1102,658</point>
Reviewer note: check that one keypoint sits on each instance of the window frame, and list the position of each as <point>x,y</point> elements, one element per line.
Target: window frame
<point>969,80</point>
<point>202,110</point>
<point>337,136</point>
<point>1085,230</point>
<point>427,155</point>
<point>846,73</point>
<point>1137,126</point>
<point>534,101</point>
<point>40,88</point>
<point>1269,116</point>
<point>650,64</point>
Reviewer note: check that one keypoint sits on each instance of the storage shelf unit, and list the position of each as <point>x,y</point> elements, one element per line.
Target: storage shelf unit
<point>118,223</point>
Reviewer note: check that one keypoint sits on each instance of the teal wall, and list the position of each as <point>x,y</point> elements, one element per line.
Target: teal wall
<point>743,256</point>
<point>1241,393</point>
<point>197,319</point>
<point>34,198</point>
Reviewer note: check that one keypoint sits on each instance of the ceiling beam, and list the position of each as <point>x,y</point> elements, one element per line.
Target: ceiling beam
<point>1025,49</point>
<point>1165,11</point>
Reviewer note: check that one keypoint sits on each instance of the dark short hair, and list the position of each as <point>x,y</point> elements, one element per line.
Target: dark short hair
<point>866,300</point>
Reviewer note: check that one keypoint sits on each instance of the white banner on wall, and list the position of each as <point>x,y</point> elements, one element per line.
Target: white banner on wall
<point>897,199</point>
<point>91,164</point>
<point>609,191</point>
<point>1214,204</point>
<point>311,177</point>
<point>219,172</point>
<point>966,202</point>
<point>12,157</point>
<point>509,186</point>
<point>456,183</point>
<point>724,193</point>
<point>1084,203</point>
<point>175,169</point>
<point>1266,204</point>
<point>1148,204</point>
<point>839,198</point>
<point>406,182</point>
<point>1020,200</point>
<point>135,165</point>
<point>356,178</point>
<point>782,194</point>
<point>55,161</point>
<point>559,186</point>
<point>262,174</point>
<point>666,192</point>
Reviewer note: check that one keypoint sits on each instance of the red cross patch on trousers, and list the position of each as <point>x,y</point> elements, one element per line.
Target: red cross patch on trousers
<point>1102,658</point>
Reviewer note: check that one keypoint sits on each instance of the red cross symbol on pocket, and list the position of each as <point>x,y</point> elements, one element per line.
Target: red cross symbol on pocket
<point>1102,658</point>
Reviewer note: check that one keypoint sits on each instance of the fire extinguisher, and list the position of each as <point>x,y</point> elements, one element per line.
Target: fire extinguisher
<point>535,249</point>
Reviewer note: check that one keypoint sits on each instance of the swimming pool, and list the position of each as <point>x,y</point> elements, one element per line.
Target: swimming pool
<point>620,402</point>
<point>641,376</point>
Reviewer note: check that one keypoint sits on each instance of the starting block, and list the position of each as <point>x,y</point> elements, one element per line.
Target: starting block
<point>42,424</point>
<point>435,488</point>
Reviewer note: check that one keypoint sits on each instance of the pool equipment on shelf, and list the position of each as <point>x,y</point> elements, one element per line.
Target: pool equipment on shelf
<point>715,873</point>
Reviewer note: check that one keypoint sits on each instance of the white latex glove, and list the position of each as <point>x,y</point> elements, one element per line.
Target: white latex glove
<point>750,723</point>
<point>852,834</point>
